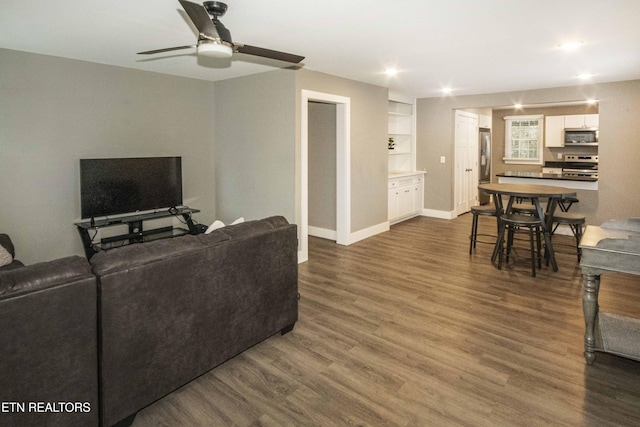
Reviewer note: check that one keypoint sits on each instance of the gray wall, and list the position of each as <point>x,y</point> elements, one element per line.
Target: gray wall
<point>54,111</point>
<point>619,149</point>
<point>368,142</point>
<point>322,165</point>
<point>255,146</point>
<point>258,145</point>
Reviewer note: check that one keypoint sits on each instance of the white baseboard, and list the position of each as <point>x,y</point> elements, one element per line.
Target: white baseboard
<point>368,232</point>
<point>323,233</point>
<point>438,214</point>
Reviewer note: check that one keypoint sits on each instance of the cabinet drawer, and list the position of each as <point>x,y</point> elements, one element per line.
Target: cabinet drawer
<point>401,182</point>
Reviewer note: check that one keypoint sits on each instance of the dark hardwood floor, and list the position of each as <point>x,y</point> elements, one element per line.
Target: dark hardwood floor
<point>407,329</point>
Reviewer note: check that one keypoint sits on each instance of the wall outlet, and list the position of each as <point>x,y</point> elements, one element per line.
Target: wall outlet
<point>559,156</point>
<point>442,159</point>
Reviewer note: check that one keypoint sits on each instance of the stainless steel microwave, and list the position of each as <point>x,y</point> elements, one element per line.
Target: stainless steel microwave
<point>581,136</point>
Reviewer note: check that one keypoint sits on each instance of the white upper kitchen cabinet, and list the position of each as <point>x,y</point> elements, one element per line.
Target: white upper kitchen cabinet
<point>554,131</point>
<point>484,121</point>
<point>554,127</point>
<point>578,121</point>
<point>591,120</point>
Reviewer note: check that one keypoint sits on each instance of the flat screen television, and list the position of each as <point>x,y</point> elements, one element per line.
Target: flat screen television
<point>125,185</point>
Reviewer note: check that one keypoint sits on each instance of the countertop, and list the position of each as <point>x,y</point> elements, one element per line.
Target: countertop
<point>399,174</point>
<point>538,175</point>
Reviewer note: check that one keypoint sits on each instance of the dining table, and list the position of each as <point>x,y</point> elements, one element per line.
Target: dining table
<point>548,193</point>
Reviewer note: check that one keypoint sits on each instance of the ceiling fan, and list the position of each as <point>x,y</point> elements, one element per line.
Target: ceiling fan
<point>214,40</point>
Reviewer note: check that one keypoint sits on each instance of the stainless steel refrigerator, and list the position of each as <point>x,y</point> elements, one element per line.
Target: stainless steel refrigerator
<point>484,163</point>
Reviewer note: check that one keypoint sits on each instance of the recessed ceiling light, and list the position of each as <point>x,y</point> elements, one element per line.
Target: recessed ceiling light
<point>584,76</point>
<point>391,71</point>
<point>570,45</point>
<point>517,106</point>
<point>446,90</point>
<point>592,101</point>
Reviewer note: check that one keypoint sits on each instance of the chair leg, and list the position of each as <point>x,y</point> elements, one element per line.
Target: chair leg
<point>500,247</point>
<point>474,233</point>
<point>497,250</point>
<point>539,245</point>
<point>533,253</point>
<point>509,241</point>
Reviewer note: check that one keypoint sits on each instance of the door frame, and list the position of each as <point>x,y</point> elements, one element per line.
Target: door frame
<point>343,167</point>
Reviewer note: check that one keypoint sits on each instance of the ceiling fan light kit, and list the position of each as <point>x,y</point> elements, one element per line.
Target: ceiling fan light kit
<point>214,49</point>
<point>214,39</point>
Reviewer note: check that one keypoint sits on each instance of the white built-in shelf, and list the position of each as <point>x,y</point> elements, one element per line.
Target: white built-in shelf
<point>401,129</point>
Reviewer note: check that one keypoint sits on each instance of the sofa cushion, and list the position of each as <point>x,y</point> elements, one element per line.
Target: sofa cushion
<point>219,224</point>
<point>5,242</point>
<point>213,227</point>
<point>5,257</point>
<point>8,254</point>
<point>42,275</point>
<point>251,228</point>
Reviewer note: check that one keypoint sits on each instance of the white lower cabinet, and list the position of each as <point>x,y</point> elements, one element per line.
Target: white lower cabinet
<point>405,197</point>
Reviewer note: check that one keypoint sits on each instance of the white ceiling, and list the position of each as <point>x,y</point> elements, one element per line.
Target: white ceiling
<point>472,46</point>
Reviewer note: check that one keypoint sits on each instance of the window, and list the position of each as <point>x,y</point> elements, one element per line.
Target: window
<point>523,139</point>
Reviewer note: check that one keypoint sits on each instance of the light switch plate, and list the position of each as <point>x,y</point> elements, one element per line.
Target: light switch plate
<point>442,159</point>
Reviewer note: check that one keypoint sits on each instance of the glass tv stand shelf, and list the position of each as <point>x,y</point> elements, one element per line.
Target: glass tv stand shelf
<point>137,233</point>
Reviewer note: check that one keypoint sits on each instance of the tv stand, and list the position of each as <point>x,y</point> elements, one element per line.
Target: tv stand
<point>137,233</point>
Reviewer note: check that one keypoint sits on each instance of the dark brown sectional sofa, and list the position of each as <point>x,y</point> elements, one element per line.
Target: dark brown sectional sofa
<point>147,318</point>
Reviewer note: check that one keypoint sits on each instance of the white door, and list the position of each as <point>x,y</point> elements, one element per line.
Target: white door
<point>466,161</point>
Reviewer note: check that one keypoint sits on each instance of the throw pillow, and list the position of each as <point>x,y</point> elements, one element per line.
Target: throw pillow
<point>216,224</point>
<point>238,221</point>
<point>5,257</point>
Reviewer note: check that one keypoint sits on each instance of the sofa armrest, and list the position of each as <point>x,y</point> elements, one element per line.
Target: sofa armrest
<point>48,315</point>
<point>42,275</point>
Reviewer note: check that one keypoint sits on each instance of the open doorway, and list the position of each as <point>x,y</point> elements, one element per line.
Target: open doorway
<point>342,106</point>
<point>322,170</point>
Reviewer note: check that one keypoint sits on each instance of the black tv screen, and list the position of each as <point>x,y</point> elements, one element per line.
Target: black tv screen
<point>118,186</point>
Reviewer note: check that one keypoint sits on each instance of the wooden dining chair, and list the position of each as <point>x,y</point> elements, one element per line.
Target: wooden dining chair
<point>524,206</point>
<point>575,221</point>
<point>518,223</point>
<point>477,211</point>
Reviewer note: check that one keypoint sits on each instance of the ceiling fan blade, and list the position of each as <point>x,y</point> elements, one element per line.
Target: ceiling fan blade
<point>200,18</point>
<point>167,49</point>
<point>267,53</point>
